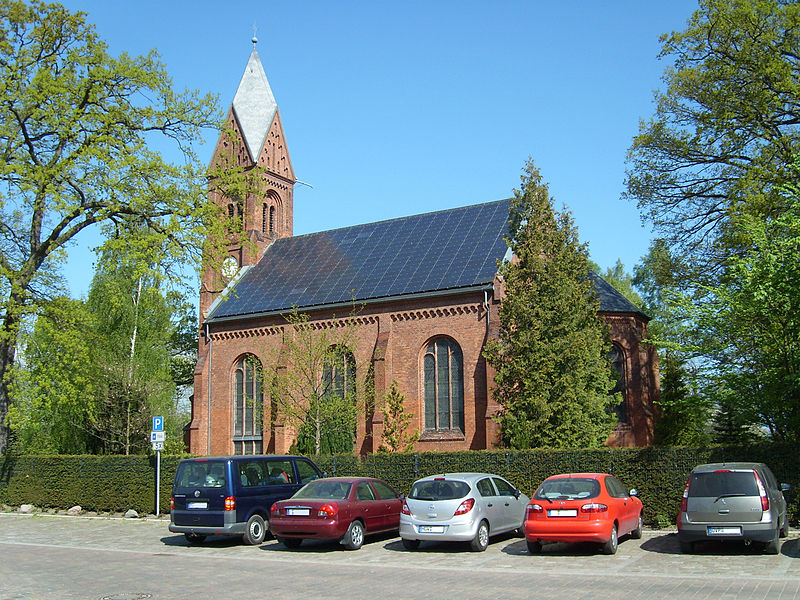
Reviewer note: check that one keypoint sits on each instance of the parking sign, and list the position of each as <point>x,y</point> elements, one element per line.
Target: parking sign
<point>158,423</point>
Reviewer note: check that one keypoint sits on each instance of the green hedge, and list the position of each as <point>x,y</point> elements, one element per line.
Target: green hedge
<point>117,483</point>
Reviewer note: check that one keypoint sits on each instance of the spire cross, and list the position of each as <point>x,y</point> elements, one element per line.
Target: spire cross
<point>255,39</point>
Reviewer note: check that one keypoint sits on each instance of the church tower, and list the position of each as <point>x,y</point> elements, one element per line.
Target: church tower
<point>257,181</point>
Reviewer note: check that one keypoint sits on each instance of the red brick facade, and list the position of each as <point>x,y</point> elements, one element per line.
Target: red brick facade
<point>390,338</point>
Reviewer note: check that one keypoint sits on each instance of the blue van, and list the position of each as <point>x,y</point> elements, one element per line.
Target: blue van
<point>232,495</point>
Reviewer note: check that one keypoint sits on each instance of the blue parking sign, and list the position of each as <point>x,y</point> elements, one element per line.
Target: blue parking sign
<point>158,423</point>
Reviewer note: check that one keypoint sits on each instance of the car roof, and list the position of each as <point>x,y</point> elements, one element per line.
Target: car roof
<point>576,475</point>
<point>353,479</point>
<point>731,466</point>
<point>463,476</point>
<point>240,457</point>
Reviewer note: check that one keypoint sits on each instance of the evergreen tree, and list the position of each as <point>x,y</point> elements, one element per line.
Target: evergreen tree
<point>553,377</point>
<point>684,413</point>
<point>396,420</point>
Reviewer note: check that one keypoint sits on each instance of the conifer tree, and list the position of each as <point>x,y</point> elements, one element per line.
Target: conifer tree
<point>553,378</point>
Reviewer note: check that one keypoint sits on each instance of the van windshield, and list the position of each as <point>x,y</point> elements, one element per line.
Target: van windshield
<point>200,474</point>
<point>723,483</point>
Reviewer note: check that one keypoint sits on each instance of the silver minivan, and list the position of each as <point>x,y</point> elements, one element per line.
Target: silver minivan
<point>467,507</point>
<point>733,501</point>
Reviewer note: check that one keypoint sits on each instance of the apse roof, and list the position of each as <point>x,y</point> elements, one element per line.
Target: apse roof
<point>422,255</point>
<point>254,105</point>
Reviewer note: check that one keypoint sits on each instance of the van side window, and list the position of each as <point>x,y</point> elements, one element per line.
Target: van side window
<point>252,473</point>
<point>306,471</point>
<point>279,472</point>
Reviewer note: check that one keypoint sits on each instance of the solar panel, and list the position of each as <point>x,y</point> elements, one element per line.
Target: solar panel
<point>417,254</point>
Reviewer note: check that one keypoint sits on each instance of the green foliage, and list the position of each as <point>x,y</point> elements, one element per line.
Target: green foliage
<point>552,372</point>
<point>75,129</point>
<point>396,420</point>
<point>684,413</point>
<point>314,386</point>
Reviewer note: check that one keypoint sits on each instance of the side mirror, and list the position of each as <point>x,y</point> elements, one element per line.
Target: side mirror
<point>517,493</point>
<point>634,492</point>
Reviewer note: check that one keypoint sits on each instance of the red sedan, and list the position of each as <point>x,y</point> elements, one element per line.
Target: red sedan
<point>336,508</point>
<point>582,507</point>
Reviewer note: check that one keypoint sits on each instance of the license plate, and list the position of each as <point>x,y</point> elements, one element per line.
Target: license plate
<point>724,531</point>
<point>197,505</point>
<point>564,512</point>
<point>298,512</point>
<point>431,528</point>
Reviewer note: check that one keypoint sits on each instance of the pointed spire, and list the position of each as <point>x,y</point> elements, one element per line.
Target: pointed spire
<point>254,105</point>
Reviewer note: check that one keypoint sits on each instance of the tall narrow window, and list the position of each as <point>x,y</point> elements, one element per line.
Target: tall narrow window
<point>231,211</point>
<point>617,359</point>
<point>272,220</point>
<point>443,375</point>
<point>248,407</point>
<point>264,219</point>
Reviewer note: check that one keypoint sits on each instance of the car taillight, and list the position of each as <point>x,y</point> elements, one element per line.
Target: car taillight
<point>405,510</point>
<point>762,492</point>
<point>328,509</point>
<point>275,510</point>
<point>534,509</point>
<point>685,498</point>
<point>594,507</point>
<point>230,503</point>
<point>172,503</point>
<point>465,507</point>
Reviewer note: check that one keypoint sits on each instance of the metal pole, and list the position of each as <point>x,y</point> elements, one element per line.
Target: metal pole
<point>158,479</point>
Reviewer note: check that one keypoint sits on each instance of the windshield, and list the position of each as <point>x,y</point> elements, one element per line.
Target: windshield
<point>723,483</point>
<point>200,474</point>
<point>438,489</point>
<point>572,488</point>
<point>328,490</point>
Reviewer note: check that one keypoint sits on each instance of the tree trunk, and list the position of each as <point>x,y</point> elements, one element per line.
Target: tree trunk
<point>8,352</point>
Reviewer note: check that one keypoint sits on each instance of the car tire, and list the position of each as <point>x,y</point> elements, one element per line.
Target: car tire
<point>610,547</point>
<point>354,538</point>
<point>291,542</point>
<point>255,531</point>
<point>194,538</point>
<point>773,546</point>
<point>410,544</point>
<point>687,547</point>
<point>534,547</point>
<point>481,540</point>
<point>636,534</point>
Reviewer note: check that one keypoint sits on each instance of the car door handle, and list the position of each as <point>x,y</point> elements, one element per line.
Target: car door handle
<point>489,505</point>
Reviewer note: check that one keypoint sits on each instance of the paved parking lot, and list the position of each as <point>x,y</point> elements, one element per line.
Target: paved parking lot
<point>116,559</point>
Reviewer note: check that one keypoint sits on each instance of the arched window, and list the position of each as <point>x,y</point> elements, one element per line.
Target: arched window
<point>617,359</point>
<point>444,385</point>
<point>248,407</point>
<point>339,373</point>
<point>264,219</point>
<point>272,220</point>
<point>231,211</point>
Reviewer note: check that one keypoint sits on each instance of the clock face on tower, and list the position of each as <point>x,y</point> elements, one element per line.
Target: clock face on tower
<point>229,267</point>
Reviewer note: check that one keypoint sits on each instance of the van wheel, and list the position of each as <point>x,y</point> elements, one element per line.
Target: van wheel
<point>354,538</point>
<point>636,534</point>
<point>481,540</point>
<point>194,538</point>
<point>255,531</point>
<point>610,547</point>
<point>410,544</point>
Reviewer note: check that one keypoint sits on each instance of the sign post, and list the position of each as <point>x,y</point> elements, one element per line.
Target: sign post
<point>157,438</point>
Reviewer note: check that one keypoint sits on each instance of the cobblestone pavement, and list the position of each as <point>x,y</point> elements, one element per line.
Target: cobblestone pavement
<point>43,557</point>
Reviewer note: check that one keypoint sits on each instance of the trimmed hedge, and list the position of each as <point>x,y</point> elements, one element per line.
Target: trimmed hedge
<point>117,483</point>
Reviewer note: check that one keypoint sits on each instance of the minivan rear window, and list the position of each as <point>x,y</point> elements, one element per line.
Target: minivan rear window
<point>572,488</point>
<point>439,489</point>
<point>200,474</point>
<point>723,483</point>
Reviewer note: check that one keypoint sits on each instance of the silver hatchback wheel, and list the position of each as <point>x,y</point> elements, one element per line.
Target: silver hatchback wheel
<point>481,540</point>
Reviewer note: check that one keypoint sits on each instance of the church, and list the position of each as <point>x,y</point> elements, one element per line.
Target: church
<point>428,298</point>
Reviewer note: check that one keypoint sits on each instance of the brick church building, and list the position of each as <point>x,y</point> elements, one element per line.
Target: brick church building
<point>428,297</point>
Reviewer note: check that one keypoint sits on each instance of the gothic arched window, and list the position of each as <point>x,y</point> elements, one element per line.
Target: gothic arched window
<point>248,406</point>
<point>443,373</point>
<point>617,359</point>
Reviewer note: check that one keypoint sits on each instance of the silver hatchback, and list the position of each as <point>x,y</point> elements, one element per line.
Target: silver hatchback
<point>466,507</point>
<point>733,501</point>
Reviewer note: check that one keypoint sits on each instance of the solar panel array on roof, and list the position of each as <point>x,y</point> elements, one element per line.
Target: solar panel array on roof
<point>445,250</point>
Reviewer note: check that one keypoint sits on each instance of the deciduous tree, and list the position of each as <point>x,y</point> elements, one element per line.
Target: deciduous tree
<point>75,130</point>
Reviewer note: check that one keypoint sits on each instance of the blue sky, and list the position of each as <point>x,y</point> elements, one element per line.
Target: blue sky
<point>398,108</point>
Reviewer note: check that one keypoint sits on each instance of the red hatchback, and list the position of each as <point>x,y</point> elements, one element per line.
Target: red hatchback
<point>336,508</point>
<point>582,507</point>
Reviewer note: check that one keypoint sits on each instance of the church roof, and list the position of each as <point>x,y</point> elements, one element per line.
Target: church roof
<point>254,105</point>
<point>430,254</point>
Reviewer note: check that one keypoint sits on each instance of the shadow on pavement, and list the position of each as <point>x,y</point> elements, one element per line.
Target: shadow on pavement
<point>212,541</point>
<point>668,544</point>
<point>320,546</point>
